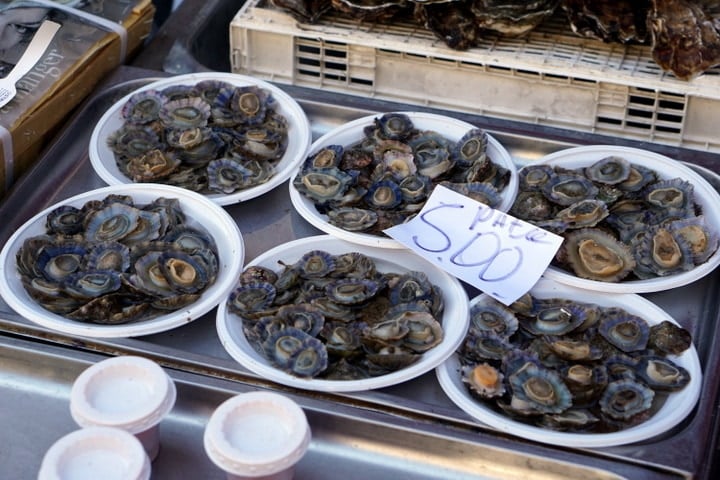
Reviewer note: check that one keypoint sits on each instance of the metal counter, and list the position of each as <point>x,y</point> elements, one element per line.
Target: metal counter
<point>353,426</point>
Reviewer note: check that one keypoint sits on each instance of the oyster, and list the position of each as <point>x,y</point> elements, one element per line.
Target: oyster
<point>612,21</point>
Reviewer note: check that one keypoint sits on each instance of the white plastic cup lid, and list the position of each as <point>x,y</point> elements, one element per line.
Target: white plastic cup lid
<point>128,392</point>
<point>256,434</point>
<point>96,452</point>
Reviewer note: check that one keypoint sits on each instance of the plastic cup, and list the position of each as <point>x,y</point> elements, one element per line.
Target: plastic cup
<point>126,392</point>
<point>257,436</point>
<point>93,453</point>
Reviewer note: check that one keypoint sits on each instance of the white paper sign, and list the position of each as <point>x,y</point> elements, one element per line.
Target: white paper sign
<point>501,255</point>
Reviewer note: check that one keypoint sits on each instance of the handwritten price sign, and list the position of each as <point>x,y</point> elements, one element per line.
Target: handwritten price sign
<point>501,255</point>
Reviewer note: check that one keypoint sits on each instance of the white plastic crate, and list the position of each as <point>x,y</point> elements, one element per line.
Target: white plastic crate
<point>550,77</point>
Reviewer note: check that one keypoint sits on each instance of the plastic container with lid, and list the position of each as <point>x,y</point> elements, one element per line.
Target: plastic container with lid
<point>96,453</point>
<point>127,392</point>
<point>258,436</point>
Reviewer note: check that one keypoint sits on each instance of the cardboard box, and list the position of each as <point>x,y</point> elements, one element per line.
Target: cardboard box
<point>80,55</point>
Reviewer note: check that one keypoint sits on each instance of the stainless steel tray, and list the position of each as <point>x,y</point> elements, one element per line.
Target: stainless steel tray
<point>194,349</point>
<point>347,442</point>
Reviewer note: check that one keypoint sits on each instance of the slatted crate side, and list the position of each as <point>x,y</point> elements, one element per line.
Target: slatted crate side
<point>550,77</point>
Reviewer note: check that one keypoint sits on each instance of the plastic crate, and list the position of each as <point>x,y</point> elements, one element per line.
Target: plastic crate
<point>550,77</point>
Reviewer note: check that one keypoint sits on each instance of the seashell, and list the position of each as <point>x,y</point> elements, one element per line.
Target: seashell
<point>323,184</point>
<point>479,191</point>
<point>396,158</point>
<point>297,352</point>
<point>152,166</point>
<point>394,126</point>
<point>92,283</point>
<point>186,138</point>
<point>659,251</point>
<point>384,194</point>
<point>149,227</point>
<point>624,399</point>
<point>585,213</point>
<point>572,419</point>
<point>424,331</point>
<point>341,340</point>
<point>251,103</point>
<point>674,194</point>
<point>390,358</point>
<point>532,206</point>
<point>215,92</point>
<point>185,113</point>
<point>625,331</point>
<point>568,188</point>
<point>483,380</point>
<point>490,314</point>
<point>252,297</point>
<point>143,107</point>
<point>55,261</point>
<point>702,239</point>
<point>573,349</point>
<point>315,264</point>
<point>409,287</point>
<point>111,309</point>
<point>133,140</point>
<point>415,188</point>
<point>585,382</point>
<point>555,319</point>
<point>176,92</point>
<point>226,175</point>
<point>334,311</point>
<point>594,254</point>
<point>470,148</point>
<point>352,291</point>
<point>326,157</point>
<point>484,345</point>
<point>609,170</point>
<point>303,316</point>
<point>543,389</point>
<point>352,219</point>
<point>669,338</point>
<point>355,265</point>
<point>112,222</point>
<point>534,177</point>
<point>108,256</point>
<point>661,373</point>
<point>64,220</point>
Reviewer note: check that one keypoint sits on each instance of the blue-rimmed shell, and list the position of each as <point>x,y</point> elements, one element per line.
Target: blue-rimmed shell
<point>352,291</point>
<point>92,283</point>
<point>143,107</point>
<point>471,148</point>
<point>226,175</point>
<point>186,138</point>
<point>396,158</point>
<point>113,222</point>
<point>185,113</point>
<point>303,316</point>
<point>661,373</point>
<point>248,299</point>
<point>610,170</point>
<point>65,220</point>
<point>296,352</point>
<point>328,156</point>
<point>490,314</point>
<point>533,206</point>
<point>111,309</point>
<point>534,177</point>
<point>625,399</point>
<point>431,152</point>
<point>132,140</point>
<point>484,345</point>
<point>638,178</point>
<point>352,219</point>
<point>152,166</point>
<point>341,339</point>
<point>323,184</point>
<point>482,192</point>
<point>315,264</point>
<point>108,256</point>
<point>150,226</point>
<point>555,319</point>
<point>625,331</point>
<point>594,254</point>
<point>394,126</point>
<point>585,213</point>
<point>675,195</point>
<point>543,389</point>
<point>384,195</point>
<point>662,251</point>
<point>568,188</point>
<point>251,103</point>
<point>703,240</point>
<point>409,287</point>
<point>215,92</point>
<point>57,260</point>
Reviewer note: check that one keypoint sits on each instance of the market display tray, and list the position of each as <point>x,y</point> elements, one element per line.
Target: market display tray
<point>370,432</point>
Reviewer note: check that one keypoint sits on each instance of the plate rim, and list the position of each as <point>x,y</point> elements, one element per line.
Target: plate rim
<point>303,124</point>
<point>267,371</point>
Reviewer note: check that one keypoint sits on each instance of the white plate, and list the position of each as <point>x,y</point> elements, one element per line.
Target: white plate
<point>299,134</point>
<point>352,132</point>
<point>675,408</point>
<point>454,321</point>
<point>197,208</point>
<point>705,195</point>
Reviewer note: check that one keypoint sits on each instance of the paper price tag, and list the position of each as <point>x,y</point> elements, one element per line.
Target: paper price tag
<point>501,255</point>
